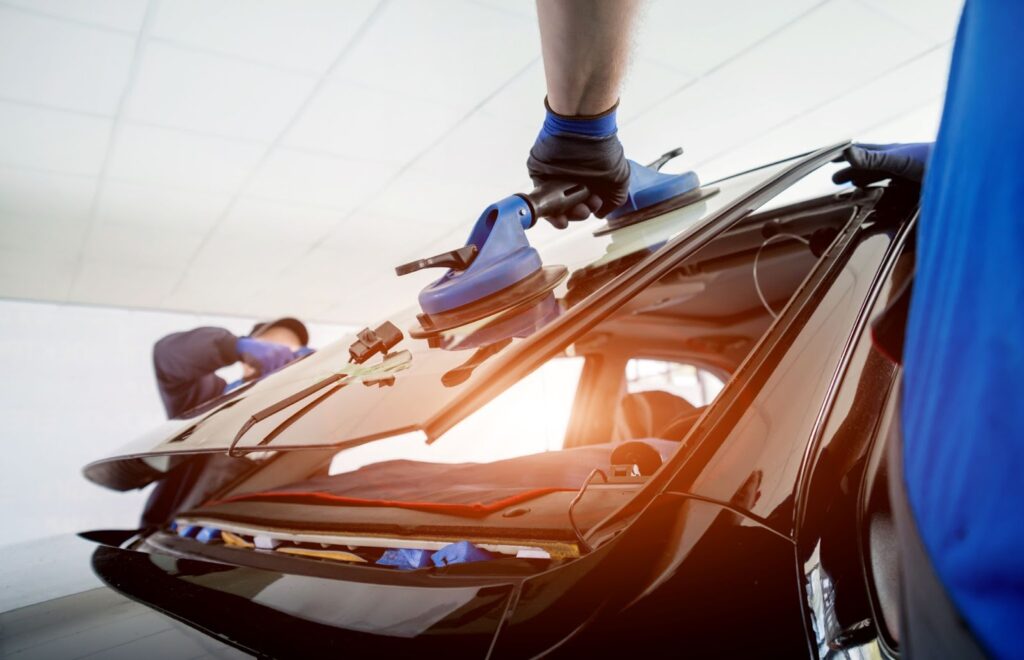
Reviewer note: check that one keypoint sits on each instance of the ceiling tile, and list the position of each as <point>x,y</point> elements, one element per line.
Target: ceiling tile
<point>271,219</point>
<point>170,158</point>
<point>248,255</point>
<point>35,274</point>
<point>56,63</point>
<point>441,200</point>
<point>905,89</point>
<point>250,307</point>
<point>703,120</point>
<point>418,49</point>
<point>164,208</point>
<point>47,235</point>
<point>783,67</point>
<point>30,194</point>
<point>483,150</point>
<point>213,94</point>
<point>305,301</point>
<point>524,8</point>
<point>301,34</point>
<point>295,176</point>
<point>52,140</point>
<point>123,285</point>
<point>344,285</point>
<point>141,244</point>
<point>774,82</point>
<point>117,14</point>
<point>374,245</point>
<point>438,242</point>
<point>327,278</point>
<point>371,305</point>
<point>694,37</point>
<point>337,119</point>
<point>521,101</point>
<point>933,19</point>
<point>648,82</point>
<point>321,268</point>
<point>331,273</point>
<point>217,288</point>
<point>316,311</point>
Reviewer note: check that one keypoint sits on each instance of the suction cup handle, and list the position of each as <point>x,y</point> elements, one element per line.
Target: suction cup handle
<point>459,259</point>
<point>554,198</point>
<point>660,161</point>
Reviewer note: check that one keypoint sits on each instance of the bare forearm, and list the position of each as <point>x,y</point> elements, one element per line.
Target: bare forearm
<point>586,51</point>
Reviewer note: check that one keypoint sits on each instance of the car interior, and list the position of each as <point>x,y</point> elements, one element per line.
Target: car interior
<point>639,382</point>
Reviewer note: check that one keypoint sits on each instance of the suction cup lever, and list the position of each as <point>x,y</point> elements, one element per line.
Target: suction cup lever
<point>554,198</point>
<point>660,161</point>
<point>459,259</point>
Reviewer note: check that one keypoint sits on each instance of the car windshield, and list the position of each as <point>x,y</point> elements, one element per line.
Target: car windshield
<point>323,400</point>
<point>620,396</point>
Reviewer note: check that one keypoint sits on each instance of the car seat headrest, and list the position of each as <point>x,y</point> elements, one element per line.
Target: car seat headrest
<point>647,414</point>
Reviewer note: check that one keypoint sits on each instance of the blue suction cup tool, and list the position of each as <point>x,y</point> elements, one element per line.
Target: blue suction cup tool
<point>496,334</point>
<point>652,193</point>
<point>516,323</point>
<point>495,271</point>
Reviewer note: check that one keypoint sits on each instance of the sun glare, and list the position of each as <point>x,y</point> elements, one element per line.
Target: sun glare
<point>528,418</point>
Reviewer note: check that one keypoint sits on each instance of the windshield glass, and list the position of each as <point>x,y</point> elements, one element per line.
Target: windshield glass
<point>425,381</point>
<point>330,401</point>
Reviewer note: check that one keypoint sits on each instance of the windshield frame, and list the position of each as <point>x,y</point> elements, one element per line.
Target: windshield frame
<point>717,424</point>
<point>550,340</point>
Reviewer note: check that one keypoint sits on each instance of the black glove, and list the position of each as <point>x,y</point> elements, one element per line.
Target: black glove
<point>870,163</point>
<point>584,150</point>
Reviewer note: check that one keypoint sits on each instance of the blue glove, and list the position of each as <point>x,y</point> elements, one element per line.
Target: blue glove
<point>264,356</point>
<point>870,163</point>
<point>584,150</point>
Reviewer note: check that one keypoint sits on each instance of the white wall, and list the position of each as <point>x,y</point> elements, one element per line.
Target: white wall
<point>77,382</point>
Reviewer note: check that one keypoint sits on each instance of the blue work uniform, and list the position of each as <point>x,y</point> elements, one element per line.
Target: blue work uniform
<point>963,405</point>
<point>185,363</point>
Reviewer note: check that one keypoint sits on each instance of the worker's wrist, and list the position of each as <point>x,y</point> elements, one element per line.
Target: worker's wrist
<point>594,126</point>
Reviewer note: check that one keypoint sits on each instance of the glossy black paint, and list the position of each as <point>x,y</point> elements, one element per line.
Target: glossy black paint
<point>684,577</point>
<point>287,615</point>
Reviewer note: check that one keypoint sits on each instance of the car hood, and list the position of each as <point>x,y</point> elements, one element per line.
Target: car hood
<point>427,386</point>
<point>103,600</point>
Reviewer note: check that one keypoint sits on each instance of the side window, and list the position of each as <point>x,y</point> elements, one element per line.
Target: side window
<point>697,386</point>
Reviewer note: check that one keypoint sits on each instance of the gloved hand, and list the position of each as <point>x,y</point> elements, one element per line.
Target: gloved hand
<point>584,150</point>
<point>264,356</point>
<point>870,163</point>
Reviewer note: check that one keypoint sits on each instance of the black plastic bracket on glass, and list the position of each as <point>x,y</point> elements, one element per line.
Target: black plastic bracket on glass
<point>370,342</point>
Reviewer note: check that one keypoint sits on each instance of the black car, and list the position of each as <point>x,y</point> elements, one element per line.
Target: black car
<point>679,452</point>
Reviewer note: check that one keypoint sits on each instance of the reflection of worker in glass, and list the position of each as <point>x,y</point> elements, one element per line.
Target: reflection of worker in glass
<point>963,450</point>
<point>186,362</point>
